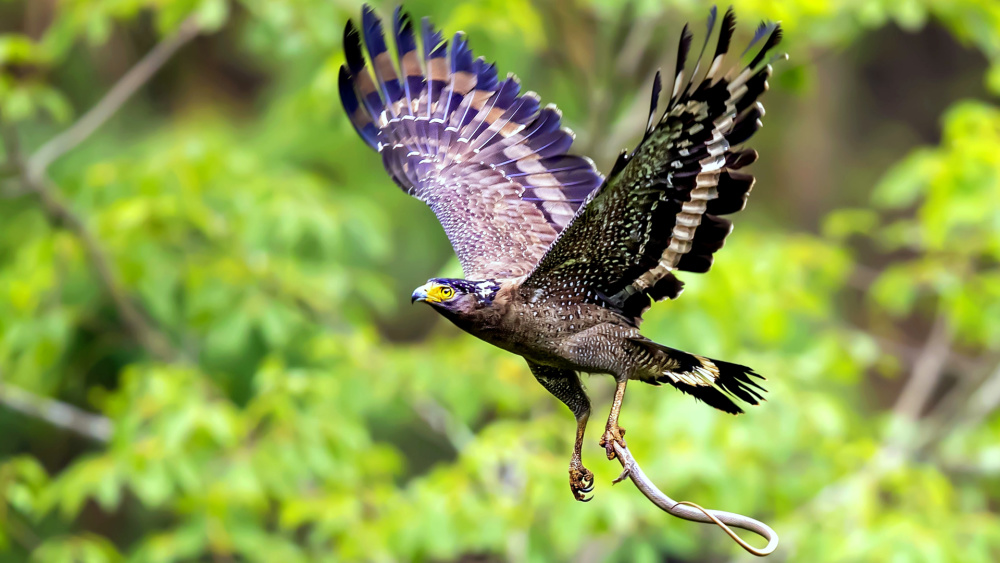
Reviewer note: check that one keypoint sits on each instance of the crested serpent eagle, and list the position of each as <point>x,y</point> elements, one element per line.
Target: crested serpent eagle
<point>561,261</point>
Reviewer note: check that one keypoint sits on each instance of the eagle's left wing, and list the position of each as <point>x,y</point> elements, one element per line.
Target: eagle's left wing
<point>488,160</point>
<point>659,209</point>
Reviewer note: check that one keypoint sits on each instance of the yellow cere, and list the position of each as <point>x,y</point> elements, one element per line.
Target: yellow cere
<point>440,293</point>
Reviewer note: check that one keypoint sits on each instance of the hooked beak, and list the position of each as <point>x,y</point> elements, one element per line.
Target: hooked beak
<point>420,294</point>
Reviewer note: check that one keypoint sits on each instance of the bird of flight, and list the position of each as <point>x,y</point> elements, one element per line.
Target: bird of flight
<point>560,262</point>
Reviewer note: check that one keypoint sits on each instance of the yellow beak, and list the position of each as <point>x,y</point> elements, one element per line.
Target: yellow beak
<point>424,293</point>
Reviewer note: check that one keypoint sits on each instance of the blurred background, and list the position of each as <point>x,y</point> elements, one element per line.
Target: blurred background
<point>207,350</point>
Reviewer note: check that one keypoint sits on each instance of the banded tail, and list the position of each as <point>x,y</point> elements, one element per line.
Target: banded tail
<point>715,382</point>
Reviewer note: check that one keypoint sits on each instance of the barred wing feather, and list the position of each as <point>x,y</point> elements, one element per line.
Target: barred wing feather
<point>489,161</point>
<point>659,210</point>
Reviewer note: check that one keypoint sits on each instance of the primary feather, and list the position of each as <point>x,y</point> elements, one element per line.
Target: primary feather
<point>491,163</point>
<point>659,211</point>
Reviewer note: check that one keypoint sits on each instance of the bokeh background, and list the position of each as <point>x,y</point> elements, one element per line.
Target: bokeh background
<point>208,353</point>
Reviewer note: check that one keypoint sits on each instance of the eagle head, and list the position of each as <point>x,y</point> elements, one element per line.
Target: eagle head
<point>456,296</point>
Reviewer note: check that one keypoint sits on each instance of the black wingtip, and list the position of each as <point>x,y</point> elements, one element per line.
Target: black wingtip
<point>773,39</point>
<point>434,43</point>
<point>361,120</point>
<point>654,100</point>
<point>726,32</point>
<point>346,87</point>
<point>713,13</point>
<point>685,46</point>
<point>352,47</point>
<point>400,21</point>
<point>773,32</point>
<point>682,53</point>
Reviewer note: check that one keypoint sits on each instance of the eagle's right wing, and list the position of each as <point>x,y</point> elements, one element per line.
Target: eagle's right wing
<point>659,209</point>
<point>489,161</point>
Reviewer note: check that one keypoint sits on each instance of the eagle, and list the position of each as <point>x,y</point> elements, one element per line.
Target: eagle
<point>560,261</point>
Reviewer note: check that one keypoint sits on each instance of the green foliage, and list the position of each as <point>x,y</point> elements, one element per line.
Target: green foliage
<point>312,415</point>
<point>953,235</point>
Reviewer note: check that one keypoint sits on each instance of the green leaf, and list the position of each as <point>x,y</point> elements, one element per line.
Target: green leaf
<point>16,49</point>
<point>844,223</point>
<point>56,104</point>
<point>907,181</point>
<point>212,14</point>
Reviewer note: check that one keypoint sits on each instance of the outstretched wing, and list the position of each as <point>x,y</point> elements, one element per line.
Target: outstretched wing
<point>659,209</point>
<point>489,162</point>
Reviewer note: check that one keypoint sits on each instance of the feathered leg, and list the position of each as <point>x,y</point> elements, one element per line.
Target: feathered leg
<point>614,433</point>
<point>565,385</point>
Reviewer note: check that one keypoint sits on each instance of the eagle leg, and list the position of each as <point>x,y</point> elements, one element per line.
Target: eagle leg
<point>566,386</point>
<point>612,432</point>
<point>581,480</point>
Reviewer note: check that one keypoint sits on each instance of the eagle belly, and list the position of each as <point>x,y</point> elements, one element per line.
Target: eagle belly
<point>582,337</point>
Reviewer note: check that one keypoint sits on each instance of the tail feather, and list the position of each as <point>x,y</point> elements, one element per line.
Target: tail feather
<point>714,382</point>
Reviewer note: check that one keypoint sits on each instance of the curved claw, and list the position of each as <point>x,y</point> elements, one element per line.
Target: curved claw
<point>581,481</point>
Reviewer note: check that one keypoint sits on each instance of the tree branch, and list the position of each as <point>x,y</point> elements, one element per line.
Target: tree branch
<point>927,370</point>
<point>32,173</point>
<point>59,214</point>
<point>985,401</point>
<point>693,512</point>
<point>911,354</point>
<point>979,404</point>
<point>895,450</point>
<point>56,413</point>
<point>127,85</point>
<point>443,422</point>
